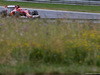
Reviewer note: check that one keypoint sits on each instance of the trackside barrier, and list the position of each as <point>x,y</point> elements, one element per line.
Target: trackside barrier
<point>69,2</point>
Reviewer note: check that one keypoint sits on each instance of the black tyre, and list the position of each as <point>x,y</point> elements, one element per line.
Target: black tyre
<point>17,14</point>
<point>3,13</point>
<point>30,12</point>
<point>35,12</point>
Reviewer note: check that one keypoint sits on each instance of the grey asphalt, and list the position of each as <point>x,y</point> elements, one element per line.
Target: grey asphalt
<point>44,13</point>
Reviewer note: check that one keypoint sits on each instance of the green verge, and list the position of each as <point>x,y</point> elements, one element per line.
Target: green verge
<point>81,8</point>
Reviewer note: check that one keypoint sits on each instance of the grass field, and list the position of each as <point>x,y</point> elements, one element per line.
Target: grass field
<point>40,47</point>
<point>28,47</point>
<point>54,6</point>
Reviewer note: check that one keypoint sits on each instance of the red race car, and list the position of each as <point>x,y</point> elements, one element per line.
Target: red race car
<point>15,10</point>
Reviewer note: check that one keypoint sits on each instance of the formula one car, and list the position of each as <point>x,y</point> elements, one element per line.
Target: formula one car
<point>15,10</point>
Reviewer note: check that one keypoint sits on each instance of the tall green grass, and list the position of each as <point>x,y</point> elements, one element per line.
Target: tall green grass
<point>24,42</point>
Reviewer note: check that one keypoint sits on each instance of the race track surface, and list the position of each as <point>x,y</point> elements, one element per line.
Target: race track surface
<point>63,14</point>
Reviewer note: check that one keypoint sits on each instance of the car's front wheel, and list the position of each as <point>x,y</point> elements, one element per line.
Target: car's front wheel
<point>35,12</point>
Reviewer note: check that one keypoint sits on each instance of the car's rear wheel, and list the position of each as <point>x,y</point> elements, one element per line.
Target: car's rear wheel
<point>3,13</point>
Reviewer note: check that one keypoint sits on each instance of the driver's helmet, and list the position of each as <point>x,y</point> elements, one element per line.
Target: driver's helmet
<point>17,6</point>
